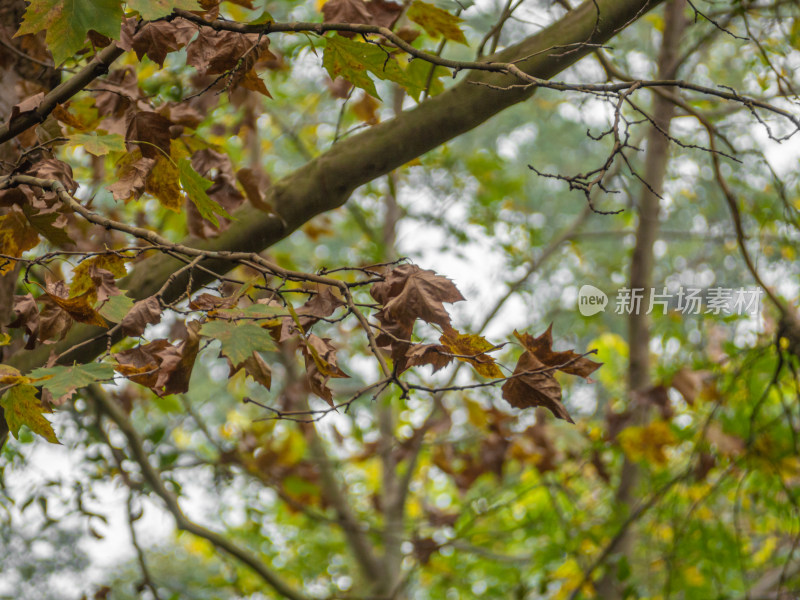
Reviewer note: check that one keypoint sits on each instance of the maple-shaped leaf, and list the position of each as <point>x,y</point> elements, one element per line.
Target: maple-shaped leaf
<point>97,274</point>
<point>163,183</point>
<point>436,22</point>
<point>256,367</point>
<point>62,381</point>
<point>375,12</point>
<point>532,384</point>
<point>218,52</point>
<point>566,361</point>
<point>27,317</point>
<point>196,188</point>
<point>354,61</point>
<point>176,363</point>
<point>115,308</point>
<point>22,407</point>
<point>132,179</point>
<point>67,22</point>
<point>436,355</point>
<point>79,308</point>
<point>142,313</point>
<point>140,364</point>
<point>117,93</point>
<point>150,10</point>
<point>98,144</point>
<point>155,40</point>
<point>239,340</point>
<point>16,236</point>
<point>409,293</point>
<point>471,348</point>
<point>320,358</point>
<point>150,132</point>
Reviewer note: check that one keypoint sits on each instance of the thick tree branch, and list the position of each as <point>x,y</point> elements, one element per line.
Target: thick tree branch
<point>326,182</point>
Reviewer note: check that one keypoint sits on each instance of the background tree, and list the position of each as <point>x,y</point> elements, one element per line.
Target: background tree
<point>165,170</point>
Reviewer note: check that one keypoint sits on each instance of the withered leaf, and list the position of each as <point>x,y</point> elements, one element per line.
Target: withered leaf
<point>144,312</point>
<point>217,52</point>
<point>155,40</point>
<point>532,384</point>
<point>256,367</point>
<point>150,132</point>
<point>409,293</point>
<point>27,317</point>
<point>16,236</point>
<point>255,184</point>
<point>28,105</point>
<point>131,179</point>
<point>566,361</point>
<point>471,348</point>
<point>320,358</point>
<point>177,363</point>
<point>79,308</point>
<point>141,364</point>
<point>436,355</point>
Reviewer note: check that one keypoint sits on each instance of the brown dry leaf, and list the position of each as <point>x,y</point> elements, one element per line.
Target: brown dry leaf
<point>119,92</point>
<point>320,358</point>
<point>131,179</point>
<point>28,105</point>
<point>177,363</point>
<point>346,11</point>
<point>688,383</point>
<point>256,367</point>
<point>16,236</point>
<point>80,308</point>
<point>566,361</point>
<point>149,131</point>
<point>156,39</point>
<point>141,364</point>
<point>87,275</point>
<point>727,444</point>
<point>532,384</point>
<point>436,355</point>
<point>255,184</point>
<point>366,109</point>
<point>217,52</point>
<point>472,349</point>
<point>27,318</point>
<point>409,293</point>
<point>143,313</point>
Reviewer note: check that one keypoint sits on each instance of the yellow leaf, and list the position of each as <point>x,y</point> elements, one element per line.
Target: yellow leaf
<point>16,236</point>
<point>162,183</point>
<point>22,407</point>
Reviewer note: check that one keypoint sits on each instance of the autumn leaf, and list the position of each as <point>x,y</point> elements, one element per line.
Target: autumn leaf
<point>62,381</point>
<point>355,60</point>
<point>50,225</point>
<point>87,276</point>
<point>79,308</point>
<point>471,348</point>
<point>151,10</point>
<point>647,443</point>
<point>132,179</point>
<point>115,308</point>
<point>16,236</point>
<point>436,355</point>
<point>566,361</point>
<point>98,144</point>
<point>66,23</point>
<point>532,384</point>
<point>321,365</point>
<point>162,183</point>
<point>22,407</point>
<point>239,340</point>
<point>143,313</point>
<point>195,187</point>
<point>436,22</point>
<point>149,131</point>
<point>409,293</point>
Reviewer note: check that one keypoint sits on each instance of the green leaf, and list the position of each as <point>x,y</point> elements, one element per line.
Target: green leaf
<point>436,22</point>
<point>98,144</point>
<point>355,60</point>
<point>116,307</point>
<point>67,22</point>
<point>239,340</point>
<point>195,187</point>
<point>63,381</point>
<point>22,407</point>
<point>44,224</point>
<point>155,9</point>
